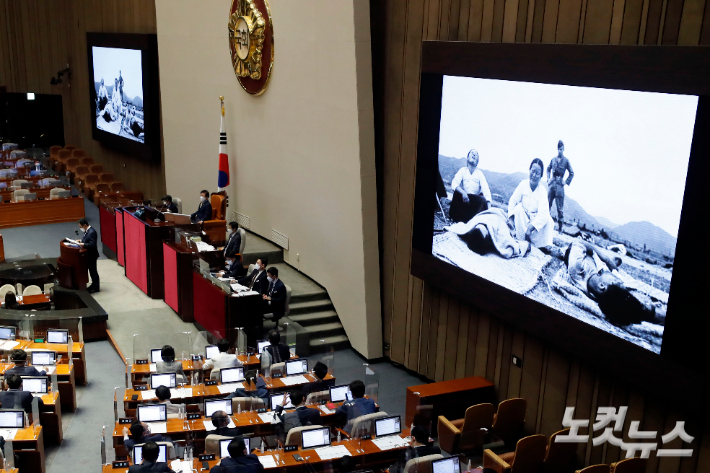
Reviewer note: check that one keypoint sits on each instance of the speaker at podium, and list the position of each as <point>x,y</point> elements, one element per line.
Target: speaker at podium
<point>73,270</point>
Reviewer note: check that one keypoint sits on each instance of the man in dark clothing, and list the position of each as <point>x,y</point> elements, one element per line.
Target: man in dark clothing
<point>275,296</point>
<point>150,463</point>
<point>359,406</point>
<point>419,448</point>
<point>257,279</point>
<point>278,351</point>
<point>251,379</point>
<point>169,205</point>
<point>19,358</point>
<point>320,370</point>
<point>233,267</point>
<point>204,211</point>
<point>239,461</point>
<point>220,419</point>
<point>556,186</point>
<point>89,242</point>
<point>140,434</point>
<point>15,397</point>
<point>234,242</point>
<point>301,416</point>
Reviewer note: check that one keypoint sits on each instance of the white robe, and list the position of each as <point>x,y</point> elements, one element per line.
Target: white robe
<point>527,206</point>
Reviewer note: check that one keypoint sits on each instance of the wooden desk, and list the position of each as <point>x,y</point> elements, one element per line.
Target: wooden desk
<point>449,398</point>
<point>138,372</point>
<point>51,418</point>
<point>66,384</point>
<point>7,195</point>
<point>78,356</point>
<point>2,250</point>
<point>38,301</point>
<point>28,446</point>
<point>40,212</point>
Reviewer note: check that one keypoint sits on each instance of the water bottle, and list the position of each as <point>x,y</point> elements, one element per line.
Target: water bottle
<point>338,437</point>
<point>468,468</point>
<point>190,457</point>
<point>411,429</point>
<point>239,408</point>
<point>262,447</point>
<point>184,453</point>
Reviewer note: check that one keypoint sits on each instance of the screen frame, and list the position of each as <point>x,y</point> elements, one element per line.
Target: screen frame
<point>454,458</point>
<point>148,45</point>
<point>46,383</point>
<point>304,432</point>
<point>55,330</point>
<point>664,69</point>
<point>229,411</point>
<point>33,353</point>
<point>162,407</point>
<point>386,418</point>
<point>16,411</point>
<point>172,376</point>
<point>295,360</point>
<point>161,449</point>
<point>330,392</point>
<point>160,351</point>
<point>12,328</point>
<point>221,376</point>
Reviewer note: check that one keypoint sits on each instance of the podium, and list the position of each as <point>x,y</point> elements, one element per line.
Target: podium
<point>73,272</point>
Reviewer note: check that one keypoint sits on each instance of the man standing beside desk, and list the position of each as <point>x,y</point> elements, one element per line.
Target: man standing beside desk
<point>275,297</point>
<point>234,242</point>
<point>89,242</point>
<point>204,211</point>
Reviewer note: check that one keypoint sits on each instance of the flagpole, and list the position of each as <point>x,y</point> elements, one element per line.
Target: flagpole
<point>223,174</point>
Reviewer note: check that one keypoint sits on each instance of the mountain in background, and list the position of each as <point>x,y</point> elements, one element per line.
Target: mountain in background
<point>503,185</point>
<point>137,101</point>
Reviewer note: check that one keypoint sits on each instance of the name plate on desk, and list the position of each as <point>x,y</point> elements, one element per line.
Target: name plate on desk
<point>39,340</point>
<point>278,375</point>
<point>290,448</point>
<point>196,357</point>
<point>211,382</point>
<point>125,420</point>
<point>120,464</point>
<point>261,409</point>
<point>206,458</point>
<point>141,362</point>
<point>367,437</point>
<point>193,415</point>
<point>141,388</point>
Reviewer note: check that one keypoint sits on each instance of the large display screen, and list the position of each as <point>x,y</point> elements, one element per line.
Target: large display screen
<point>118,80</point>
<point>570,196</point>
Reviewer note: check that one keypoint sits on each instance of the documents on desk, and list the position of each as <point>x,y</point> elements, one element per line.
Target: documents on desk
<point>325,409</point>
<point>229,388</point>
<point>8,434</point>
<point>158,427</point>
<point>153,367</point>
<point>268,417</point>
<point>267,461</point>
<point>181,466</point>
<point>202,246</point>
<point>390,442</point>
<point>332,452</point>
<point>209,426</point>
<point>148,394</point>
<point>180,392</point>
<point>70,243</point>
<point>292,380</point>
<point>9,345</point>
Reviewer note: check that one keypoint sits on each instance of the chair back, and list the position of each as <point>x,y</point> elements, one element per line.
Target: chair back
<point>318,397</point>
<point>509,419</point>
<point>32,291</point>
<point>117,187</point>
<point>630,465</point>
<point>19,182</point>
<point>243,235</point>
<point>287,302</point>
<point>19,194</point>
<point>219,206</point>
<point>529,454</point>
<point>178,201</point>
<point>18,153</point>
<point>102,188</point>
<point>477,417</point>
<point>87,161</point>
<point>107,177</point>
<point>76,152</point>
<point>54,150</point>
<point>63,194</point>
<point>91,179</point>
<point>96,168</point>
<point>7,288</point>
<point>72,163</point>
<point>421,464</point>
<point>212,443</point>
<point>560,455</point>
<point>363,425</point>
<point>294,435</point>
<point>278,368</point>
<point>64,155</point>
<point>595,469</point>
<point>48,287</point>
<point>247,403</point>
<point>251,268</point>
<point>29,196</point>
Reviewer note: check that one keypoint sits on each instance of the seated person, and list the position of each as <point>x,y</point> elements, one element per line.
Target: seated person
<point>278,351</point>
<point>239,460</point>
<point>233,267</point>
<point>359,406</point>
<point>19,358</point>
<point>223,359</point>
<point>420,448</point>
<point>251,379</point>
<point>320,371</point>
<point>15,397</point>
<point>140,433</point>
<point>528,210</point>
<point>150,464</point>
<point>169,205</point>
<point>220,419</point>
<point>257,279</point>
<point>11,301</point>
<point>169,365</point>
<point>275,296</point>
<point>204,211</point>
<point>301,416</point>
<point>471,191</point>
<point>163,395</point>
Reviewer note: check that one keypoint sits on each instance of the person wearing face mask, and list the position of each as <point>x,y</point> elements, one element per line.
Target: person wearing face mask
<point>257,281</point>
<point>204,211</point>
<point>275,297</point>
<point>234,241</point>
<point>89,243</point>
<point>233,267</point>
<point>169,205</point>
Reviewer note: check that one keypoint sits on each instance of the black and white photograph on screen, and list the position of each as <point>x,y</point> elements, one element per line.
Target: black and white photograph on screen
<point>118,80</point>
<point>570,196</point>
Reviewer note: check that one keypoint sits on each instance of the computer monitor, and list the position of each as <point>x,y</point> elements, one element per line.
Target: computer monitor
<point>231,375</point>
<point>277,399</point>
<point>298,366</point>
<point>261,344</point>
<point>315,438</point>
<point>7,333</point>
<point>446,465</point>
<point>214,405</point>
<point>34,384</point>
<point>55,335</point>
<point>340,393</point>
<point>163,379</point>
<point>43,357</point>
<point>211,351</point>
<point>138,454</point>
<point>153,413</point>
<point>155,356</point>
<point>11,419</point>
<point>224,447</point>
<point>387,426</point>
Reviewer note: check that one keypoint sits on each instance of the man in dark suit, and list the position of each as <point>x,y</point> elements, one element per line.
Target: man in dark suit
<point>320,371</point>
<point>15,397</point>
<point>19,358</point>
<point>420,448</point>
<point>275,297</point>
<point>169,205</point>
<point>220,419</point>
<point>233,267</point>
<point>257,279</point>
<point>150,463</point>
<point>140,433</point>
<point>278,351</point>
<point>239,460</point>
<point>301,416</point>
<point>204,211</point>
<point>89,242</point>
<point>234,242</point>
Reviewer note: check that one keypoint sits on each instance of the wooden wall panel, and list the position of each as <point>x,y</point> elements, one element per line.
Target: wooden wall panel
<point>38,38</point>
<point>446,338</point>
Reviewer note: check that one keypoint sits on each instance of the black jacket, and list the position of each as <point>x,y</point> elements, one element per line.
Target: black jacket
<point>307,415</point>
<point>16,399</point>
<point>90,241</point>
<point>151,467</point>
<point>236,271</point>
<point>245,464</point>
<point>317,386</point>
<point>233,244</point>
<point>261,285</point>
<point>227,431</point>
<point>204,212</point>
<point>130,443</point>
<point>172,208</point>
<point>278,353</point>
<point>277,292</point>
<point>24,371</point>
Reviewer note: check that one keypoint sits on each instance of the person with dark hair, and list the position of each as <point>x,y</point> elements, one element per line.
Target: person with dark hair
<point>346,464</point>
<point>358,406</point>
<point>251,379</point>
<point>169,365</point>
<point>89,244</point>
<point>239,460</point>
<point>102,97</point>
<point>275,296</point>
<point>163,394</point>
<point>150,464</point>
<point>233,267</point>
<point>320,371</point>
<point>556,187</point>
<point>257,281</point>
<point>471,192</point>
<point>15,397</point>
<point>140,433</point>
<point>419,448</point>
<point>223,359</point>
<point>169,205</point>
<point>278,351</point>
<point>234,240</point>
<point>221,421</point>
<point>204,210</point>
<point>11,301</point>
<point>301,416</point>
<point>19,359</point>
<point>528,213</point>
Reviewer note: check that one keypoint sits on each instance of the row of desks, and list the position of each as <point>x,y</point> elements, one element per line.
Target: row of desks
<point>42,192</point>
<point>35,212</point>
<point>78,355</point>
<point>28,446</point>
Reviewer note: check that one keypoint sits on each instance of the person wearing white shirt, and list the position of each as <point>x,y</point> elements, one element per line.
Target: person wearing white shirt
<point>528,210</point>
<point>471,192</point>
<point>222,360</point>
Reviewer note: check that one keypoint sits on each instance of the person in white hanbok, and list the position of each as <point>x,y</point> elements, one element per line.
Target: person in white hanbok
<point>528,210</point>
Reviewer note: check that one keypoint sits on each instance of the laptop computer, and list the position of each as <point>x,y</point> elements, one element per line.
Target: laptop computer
<point>297,366</point>
<point>138,454</point>
<point>57,336</point>
<point>446,465</point>
<point>315,438</point>
<point>231,375</point>
<point>224,447</point>
<point>7,332</point>
<point>43,358</point>
<point>277,399</point>
<point>163,379</point>
<point>211,351</point>
<point>261,344</point>
<point>35,384</point>
<point>155,355</point>
<point>340,393</point>
<point>152,413</point>
<point>390,425</point>
<point>12,418</point>
<point>214,405</point>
